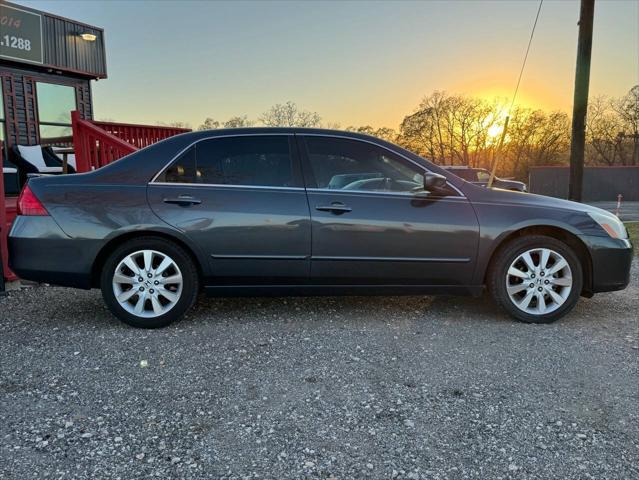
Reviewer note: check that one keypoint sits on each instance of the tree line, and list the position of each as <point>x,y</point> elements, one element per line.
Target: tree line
<point>452,129</point>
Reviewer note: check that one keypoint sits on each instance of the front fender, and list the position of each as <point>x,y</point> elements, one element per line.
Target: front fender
<point>499,222</point>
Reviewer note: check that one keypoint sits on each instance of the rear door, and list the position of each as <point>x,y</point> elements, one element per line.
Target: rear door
<point>370,227</point>
<point>241,200</point>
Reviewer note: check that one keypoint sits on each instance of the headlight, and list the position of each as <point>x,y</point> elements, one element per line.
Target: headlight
<point>610,223</point>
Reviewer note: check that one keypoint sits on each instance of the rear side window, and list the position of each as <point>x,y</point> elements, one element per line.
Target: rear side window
<point>251,161</point>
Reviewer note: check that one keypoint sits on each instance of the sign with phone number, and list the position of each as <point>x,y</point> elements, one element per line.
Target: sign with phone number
<point>20,35</point>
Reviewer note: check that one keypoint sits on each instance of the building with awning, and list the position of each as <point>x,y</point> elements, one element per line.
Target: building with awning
<point>47,64</point>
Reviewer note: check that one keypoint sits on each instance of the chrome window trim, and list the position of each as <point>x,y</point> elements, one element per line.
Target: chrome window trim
<point>346,137</point>
<point>223,185</point>
<point>419,165</point>
<point>381,192</point>
<point>301,189</point>
<point>175,157</point>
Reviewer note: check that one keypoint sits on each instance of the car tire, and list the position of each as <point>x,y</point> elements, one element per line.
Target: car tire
<point>153,272</point>
<point>538,294</point>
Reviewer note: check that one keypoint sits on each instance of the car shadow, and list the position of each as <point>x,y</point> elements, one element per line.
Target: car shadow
<point>347,308</point>
<point>86,308</point>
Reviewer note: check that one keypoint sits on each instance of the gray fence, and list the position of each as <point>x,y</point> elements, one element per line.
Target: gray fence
<point>600,183</point>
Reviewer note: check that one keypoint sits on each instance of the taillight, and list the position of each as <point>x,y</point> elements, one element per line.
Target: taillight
<point>28,204</point>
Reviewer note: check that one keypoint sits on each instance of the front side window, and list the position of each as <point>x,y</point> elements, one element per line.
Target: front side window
<point>249,161</point>
<point>55,103</point>
<point>344,164</point>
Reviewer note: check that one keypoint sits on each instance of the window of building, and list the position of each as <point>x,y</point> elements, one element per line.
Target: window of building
<point>343,164</point>
<point>263,160</point>
<point>55,103</point>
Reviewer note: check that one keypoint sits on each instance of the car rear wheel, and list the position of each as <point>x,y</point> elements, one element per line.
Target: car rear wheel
<point>149,282</point>
<point>536,279</point>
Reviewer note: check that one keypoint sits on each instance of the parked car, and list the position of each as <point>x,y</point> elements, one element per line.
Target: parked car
<point>289,211</point>
<point>480,176</point>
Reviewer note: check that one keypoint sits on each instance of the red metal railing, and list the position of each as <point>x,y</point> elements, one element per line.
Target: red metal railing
<point>100,143</point>
<point>95,147</point>
<point>139,135</point>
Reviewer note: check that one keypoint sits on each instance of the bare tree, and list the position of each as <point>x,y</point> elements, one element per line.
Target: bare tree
<point>209,124</point>
<point>385,133</point>
<point>332,125</point>
<point>627,108</point>
<point>174,123</point>
<point>457,129</point>
<point>289,115</point>
<point>603,129</point>
<point>451,129</point>
<point>238,122</point>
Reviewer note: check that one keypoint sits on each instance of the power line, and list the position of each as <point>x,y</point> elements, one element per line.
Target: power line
<point>523,65</point>
<point>493,168</point>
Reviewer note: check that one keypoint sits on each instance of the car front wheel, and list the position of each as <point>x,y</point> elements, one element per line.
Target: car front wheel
<point>537,279</point>
<point>149,282</point>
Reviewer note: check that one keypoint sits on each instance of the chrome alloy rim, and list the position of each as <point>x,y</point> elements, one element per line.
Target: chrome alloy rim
<point>539,281</point>
<point>147,283</point>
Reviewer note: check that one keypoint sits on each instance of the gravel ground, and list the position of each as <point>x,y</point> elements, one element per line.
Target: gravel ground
<point>383,387</point>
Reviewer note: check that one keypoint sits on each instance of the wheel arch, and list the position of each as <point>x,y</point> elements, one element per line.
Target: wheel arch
<point>558,233</point>
<point>123,237</point>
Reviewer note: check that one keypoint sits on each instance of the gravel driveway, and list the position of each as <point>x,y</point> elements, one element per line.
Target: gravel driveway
<point>382,387</point>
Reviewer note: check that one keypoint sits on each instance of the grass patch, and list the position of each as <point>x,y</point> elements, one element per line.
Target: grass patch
<point>633,231</point>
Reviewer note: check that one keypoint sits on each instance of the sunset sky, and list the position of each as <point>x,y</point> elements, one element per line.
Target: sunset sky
<point>355,63</point>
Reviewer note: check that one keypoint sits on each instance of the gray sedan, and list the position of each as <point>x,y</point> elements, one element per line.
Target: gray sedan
<point>290,211</point>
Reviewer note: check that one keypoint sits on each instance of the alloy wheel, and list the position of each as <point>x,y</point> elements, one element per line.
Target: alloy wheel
<point>539,281</point>
<point>147,283</point>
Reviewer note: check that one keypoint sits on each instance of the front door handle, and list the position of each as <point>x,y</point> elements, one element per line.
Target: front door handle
<point>336,207</point>
<point>184,200</point>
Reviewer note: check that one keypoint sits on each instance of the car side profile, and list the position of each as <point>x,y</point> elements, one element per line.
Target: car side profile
<point>288,211</point>
<point>480,176</point>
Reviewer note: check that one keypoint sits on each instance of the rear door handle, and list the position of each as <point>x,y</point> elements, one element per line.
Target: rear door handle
<point>184,200</point>
<point>336,207</point>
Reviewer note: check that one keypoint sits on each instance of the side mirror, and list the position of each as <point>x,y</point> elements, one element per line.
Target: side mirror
<point>434,181</point>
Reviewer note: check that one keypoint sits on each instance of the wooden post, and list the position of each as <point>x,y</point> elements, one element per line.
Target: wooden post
<point>496,153</point>
<point>580,102</point>
<point>81,156</point>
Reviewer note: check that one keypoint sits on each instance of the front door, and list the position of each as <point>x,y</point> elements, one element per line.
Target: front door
<point>372,225</point>
<point>241,200</point>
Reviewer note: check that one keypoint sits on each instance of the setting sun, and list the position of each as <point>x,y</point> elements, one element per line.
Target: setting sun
<point>495,130</point>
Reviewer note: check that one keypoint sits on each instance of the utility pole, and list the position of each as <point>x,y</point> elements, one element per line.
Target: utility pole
<point>580,102</point>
